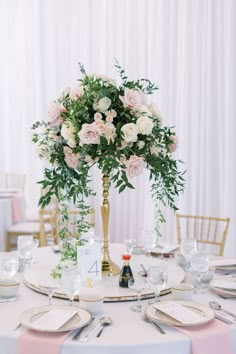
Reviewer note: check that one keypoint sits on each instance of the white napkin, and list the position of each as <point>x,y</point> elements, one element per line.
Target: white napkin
<point>54,319</point>
<point>224,284</point>
<point>178,312</point>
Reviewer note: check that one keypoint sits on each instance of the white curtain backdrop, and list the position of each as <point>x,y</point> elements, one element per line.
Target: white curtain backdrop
<point>188,47</point>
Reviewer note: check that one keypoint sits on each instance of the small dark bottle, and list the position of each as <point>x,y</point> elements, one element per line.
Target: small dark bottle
<point>126,272</point>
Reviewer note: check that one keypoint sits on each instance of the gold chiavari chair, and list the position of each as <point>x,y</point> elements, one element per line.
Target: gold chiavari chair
<point>59,220</point>
<point>206,230</point>
<point>29,228</point>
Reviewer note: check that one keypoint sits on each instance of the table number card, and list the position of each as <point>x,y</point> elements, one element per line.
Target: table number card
<point>89,261</point>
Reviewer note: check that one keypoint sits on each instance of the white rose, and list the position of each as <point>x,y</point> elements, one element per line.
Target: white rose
<point>140,144</point>
<point>143,110</point>
<point>155,111</point>
<point>130,132</point>
<point>145,125</point>
<point>68,133</point>
<point>103,104</point>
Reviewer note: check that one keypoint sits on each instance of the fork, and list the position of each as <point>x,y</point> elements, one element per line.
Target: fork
<point>146,319</point>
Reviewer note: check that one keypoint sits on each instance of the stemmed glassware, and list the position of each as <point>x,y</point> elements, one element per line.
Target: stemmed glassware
<point>136,284</point>
<point>71,283</point>
<point>188,247</point>
<point>148,239</point>
<point>199,265</point>
<point>25,245</point>
<point>49,290</point>
<point>157,277</point>
<point>129,245</point>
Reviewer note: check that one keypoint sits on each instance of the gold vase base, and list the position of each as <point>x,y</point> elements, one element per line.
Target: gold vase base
<point>109,268</point>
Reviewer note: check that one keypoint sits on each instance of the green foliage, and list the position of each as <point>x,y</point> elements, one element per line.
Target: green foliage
<point>88,125</point>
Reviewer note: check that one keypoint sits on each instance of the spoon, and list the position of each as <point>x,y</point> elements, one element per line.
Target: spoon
<point>216,306</point>
<point>105,321</point>
<point>146,319</point>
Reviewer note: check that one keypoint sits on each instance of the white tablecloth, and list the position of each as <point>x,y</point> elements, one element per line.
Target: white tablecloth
<point>128,334</point>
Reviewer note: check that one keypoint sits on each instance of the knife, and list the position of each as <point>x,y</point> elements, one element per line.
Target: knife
<point>223,319</point>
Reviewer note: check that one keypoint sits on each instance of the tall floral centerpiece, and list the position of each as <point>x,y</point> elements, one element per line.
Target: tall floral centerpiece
<point>116,127</point>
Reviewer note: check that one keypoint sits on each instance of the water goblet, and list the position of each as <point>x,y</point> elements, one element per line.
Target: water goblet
<point>199,266</point>
<point>137,285</point>
<point>157,277</point>
<point>148,240</point>
<point>188,247</point>
<point>129,245</point>
<point>25,246</point>
<point>207,278</point>
<point>50,290</point>
<point>35,246</point>
<point>71,283</point>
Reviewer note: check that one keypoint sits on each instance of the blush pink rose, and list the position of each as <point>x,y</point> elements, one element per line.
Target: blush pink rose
<point>97,116</point>
<point>54,114</point>
<point>132,98</point>
<point>76,92</point>
<point>110,132</point>
<point>89,134</point>
<point>134,166</point>
<point>99,124</point>
<point>71,158</point>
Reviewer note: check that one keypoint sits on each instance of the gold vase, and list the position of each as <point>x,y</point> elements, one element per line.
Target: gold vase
<point>108,266</point>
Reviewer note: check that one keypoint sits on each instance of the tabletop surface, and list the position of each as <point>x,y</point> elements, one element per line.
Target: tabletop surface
<point>127,332</point>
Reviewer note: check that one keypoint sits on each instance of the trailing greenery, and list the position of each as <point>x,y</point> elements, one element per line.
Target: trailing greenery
<point>115,127</point>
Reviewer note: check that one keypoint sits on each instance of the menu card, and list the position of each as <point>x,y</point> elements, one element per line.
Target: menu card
<point>179,312</point>
<point>54,319</point>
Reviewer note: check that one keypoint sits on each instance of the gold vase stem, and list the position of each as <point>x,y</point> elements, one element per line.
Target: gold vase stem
<point>108,267</point>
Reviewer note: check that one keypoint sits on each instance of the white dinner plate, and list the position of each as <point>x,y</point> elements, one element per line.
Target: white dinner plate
<point>80,319</point>
<point>206,313</point>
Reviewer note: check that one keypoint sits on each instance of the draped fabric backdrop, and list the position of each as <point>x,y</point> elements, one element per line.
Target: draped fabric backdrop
<point>188,47</point>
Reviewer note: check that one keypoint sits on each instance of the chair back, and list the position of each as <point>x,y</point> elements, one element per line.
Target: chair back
<point>15,180</point>
<point>57,221</point>
<point>206,230</point>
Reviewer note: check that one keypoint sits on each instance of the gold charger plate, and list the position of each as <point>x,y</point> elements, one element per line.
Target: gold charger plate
<point>80,319</point>
<point>205,311</point>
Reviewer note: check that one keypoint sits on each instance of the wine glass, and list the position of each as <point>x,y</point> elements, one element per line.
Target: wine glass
<point>71,282</point>
<point>157,277</point>
<point>129,245</point>
<point>188,247</point>
<point>50,290</point>
<point>148,240</point>
<point>137,285</point>
<point>207,278</point>
<point>35,246</point>
<point>199,265</point>
<point>25,246</point>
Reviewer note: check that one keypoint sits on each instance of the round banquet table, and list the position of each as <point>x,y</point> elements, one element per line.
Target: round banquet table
<point>127,333</point>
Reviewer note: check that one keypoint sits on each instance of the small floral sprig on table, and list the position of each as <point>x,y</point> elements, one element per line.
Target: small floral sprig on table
<point>113,126</point>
